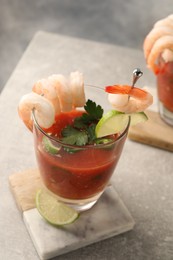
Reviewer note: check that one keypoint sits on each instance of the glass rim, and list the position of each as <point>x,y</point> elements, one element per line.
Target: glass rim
<point>77,146</point>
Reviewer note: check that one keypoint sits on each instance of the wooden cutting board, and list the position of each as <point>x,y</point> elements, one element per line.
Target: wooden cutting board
<point>24,186</point>
<point>154,132</point>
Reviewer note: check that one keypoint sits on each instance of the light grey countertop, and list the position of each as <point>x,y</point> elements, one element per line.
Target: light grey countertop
<point>143,178</point>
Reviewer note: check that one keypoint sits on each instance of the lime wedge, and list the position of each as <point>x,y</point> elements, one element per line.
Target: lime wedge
<point>114,122</point>
<point>49,147</point>
<point>53,211</point>
<point>138,117</point>
<point>111,123</point>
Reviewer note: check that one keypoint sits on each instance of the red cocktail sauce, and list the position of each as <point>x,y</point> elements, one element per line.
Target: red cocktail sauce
<point>79,175</point>
<point>165,84</point>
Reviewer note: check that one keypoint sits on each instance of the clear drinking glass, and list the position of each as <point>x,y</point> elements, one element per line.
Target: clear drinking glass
<point>78,175</point>
<point>165,90</point>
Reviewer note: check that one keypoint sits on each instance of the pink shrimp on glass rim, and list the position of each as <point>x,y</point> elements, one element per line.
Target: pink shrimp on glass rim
<point>50,97</point>
<point>153,36</point>
<point>158,44</point>
<point>43,108</point>
<point>162,44</point>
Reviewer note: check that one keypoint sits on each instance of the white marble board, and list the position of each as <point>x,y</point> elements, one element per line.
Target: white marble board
<point>109,217</point>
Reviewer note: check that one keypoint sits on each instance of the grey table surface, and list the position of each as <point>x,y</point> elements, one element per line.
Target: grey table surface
<point>143,178</point>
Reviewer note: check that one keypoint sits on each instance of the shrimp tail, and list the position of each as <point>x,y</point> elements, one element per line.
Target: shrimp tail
<point>138,93</point>
<point>125,89</point>
<point>118,89</point>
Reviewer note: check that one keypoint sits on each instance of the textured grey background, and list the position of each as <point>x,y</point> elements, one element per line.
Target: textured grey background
<point>121,22</point>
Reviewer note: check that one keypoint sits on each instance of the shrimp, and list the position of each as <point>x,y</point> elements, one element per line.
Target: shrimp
<point>170,16</point>
<point>46,88</point>
<point>126,99</point>
<point>153,36</point>
<point>77,89</point>
<point>167,55</point>
<point>63,91</point>
<point>165,42</point>
<point>44,110</point>
<point>168,22</point>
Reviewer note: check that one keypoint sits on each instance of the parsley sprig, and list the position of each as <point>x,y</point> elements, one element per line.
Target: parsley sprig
<point>82,131</point>
<point>74,136</point>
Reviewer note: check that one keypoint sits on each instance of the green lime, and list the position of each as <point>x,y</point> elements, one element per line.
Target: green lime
<point>49,147</point>
<point>138,117</point>
<point>114,122</point>
<point>111,123</point>
<point>55,212</point>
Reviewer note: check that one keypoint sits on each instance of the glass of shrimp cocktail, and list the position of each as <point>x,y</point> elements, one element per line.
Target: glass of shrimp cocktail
<point>74,164</point>
<point>158,51</point>
<point>79,143</point>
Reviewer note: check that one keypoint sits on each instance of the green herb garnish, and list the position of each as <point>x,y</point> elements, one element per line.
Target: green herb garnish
<point>74,136</point>
<point>82,132</point>
<point>93,114</point>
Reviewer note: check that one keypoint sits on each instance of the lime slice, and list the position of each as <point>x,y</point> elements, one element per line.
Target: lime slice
<point>111,123</point>
<point>53,211</point>
<point>138,117</point>
<point>49,147</point>
<point>114,122</point>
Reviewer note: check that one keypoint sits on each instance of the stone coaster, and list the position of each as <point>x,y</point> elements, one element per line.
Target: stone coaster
<point>109,217</point>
